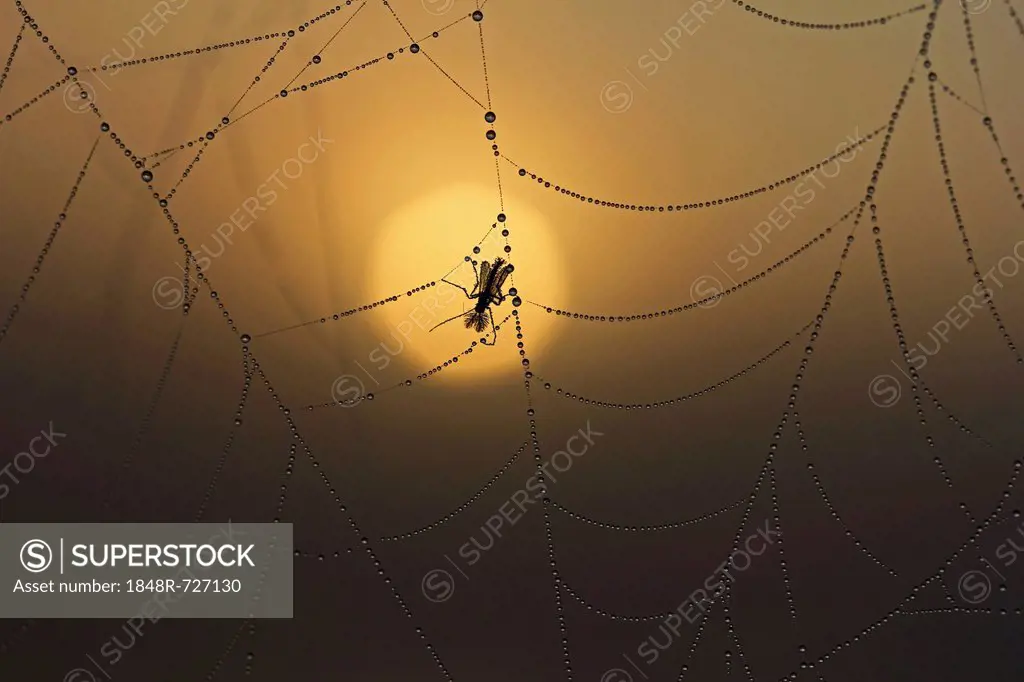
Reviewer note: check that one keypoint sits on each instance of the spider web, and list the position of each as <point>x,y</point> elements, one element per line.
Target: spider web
<point>742,620</point>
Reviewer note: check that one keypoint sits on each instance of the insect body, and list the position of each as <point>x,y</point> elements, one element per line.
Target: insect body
<point>490,278</point>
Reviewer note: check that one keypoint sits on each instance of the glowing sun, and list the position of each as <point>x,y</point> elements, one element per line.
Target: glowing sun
<point>429,238</point>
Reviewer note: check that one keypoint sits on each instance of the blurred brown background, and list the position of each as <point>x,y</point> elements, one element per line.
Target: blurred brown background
<point>403,190</point>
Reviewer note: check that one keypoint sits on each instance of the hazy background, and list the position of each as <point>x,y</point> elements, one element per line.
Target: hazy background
<point>405,189</point>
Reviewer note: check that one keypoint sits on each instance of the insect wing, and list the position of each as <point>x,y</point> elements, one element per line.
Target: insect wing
<point>485,274</point>
<point>499,281</point>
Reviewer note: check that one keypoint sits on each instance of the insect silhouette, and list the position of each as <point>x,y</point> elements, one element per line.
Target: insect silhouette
<point>490,277</point>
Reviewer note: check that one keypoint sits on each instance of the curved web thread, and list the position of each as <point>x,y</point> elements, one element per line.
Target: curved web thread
<point>10,56</point>
<point>382,302</point>
<point>547,500</point>
<point>388,56</point>
<point>250,363</point>
<point>828,503</point>
<point>914,376</point>
<point>642,529</point>
<point>205,281</point>
<point>706,301</point>
<point>868,198</point>
<point>701,203</point>
<point>1015,16</point>
<point>12,314</point>
<point>768,465</point>
<point>464,505</point>
<point>678,400</point>
<point>960,223</point>
<point>861,23</point>
<point>226,120</point>
<point>147,420</point>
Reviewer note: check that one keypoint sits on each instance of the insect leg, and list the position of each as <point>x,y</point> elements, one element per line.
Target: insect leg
<point>459,286</point>
<point>479,285</point>
<point>494,331</point>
